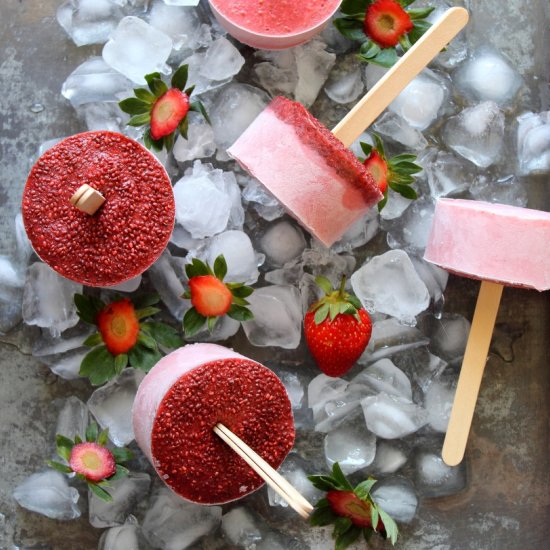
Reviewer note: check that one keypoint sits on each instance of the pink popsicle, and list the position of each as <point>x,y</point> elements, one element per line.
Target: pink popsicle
<point>500,245</point>
<point>181,400</point>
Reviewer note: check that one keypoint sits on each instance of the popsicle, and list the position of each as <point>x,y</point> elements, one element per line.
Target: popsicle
<point>308,168</point>
<point>502,246</point>
<point>98,208</point>
<point>180,405</point>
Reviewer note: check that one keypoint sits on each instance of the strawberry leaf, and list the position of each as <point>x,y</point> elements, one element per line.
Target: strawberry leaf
<point>179,78</point>
<point>374,515</point>
<point>363,490</point>
<point>169,141</point>
<point>183,128</point>
<point>341,525</point>
<point>240,313</point>
<point>420,13</point>
<point>350,28</point>
<point>91,432</point>
<point>211,323</point>
<point>146,300</point>
<point>383,202</point>
<point>59,467</point>
<point>93,340</point>
<point>63,446</point>
<point>321,313</point>
<point>334,310</point>
<point>197,268</point>
<point>324,284</point>
<point>198,107</point>
<point>103,437</point>
<point>323,483</point>
<point>347,538</point>
<point>240,301</point>
<point>147,312</point>
<point>143,358</point>
<point>241,290</point>
<point>193,321</point>
<point>404,190</point>
<point>121,361</point>
<point>389,525</point>
<point>144,95</point>
<point>134,106</point>
<point>340,478</point>
<point>220,267</point>
<point>122,454</point>
<point>366,147</point>
<point>158,86</point>
<point>164,335</point>
<point>99,492</point>
<point>139,120</point>
<point>322,516</point>
<point>88,307</point>
<point>190,90</point>
<point>120,472</point>
<point>353,7</point>
<point>98,365</point>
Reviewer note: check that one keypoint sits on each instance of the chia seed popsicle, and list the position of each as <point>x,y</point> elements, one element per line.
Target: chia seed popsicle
<point>190,391</point>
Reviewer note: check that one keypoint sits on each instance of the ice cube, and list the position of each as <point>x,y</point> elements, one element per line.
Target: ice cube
<point>282,242</point>
<point>488,76</point>
<point>95,81</point>
<point>172,523</point>
<point>127,492</point>
<point>111,405</point>
<point>446,174</point>
<point>166,275</point>
<point>23,248</point>
<point>66,365</point>
<point>392,417</point>
<point>200,143</point>
<point>293,387</point>
<point>506,190</point>
<point>449,335</point>
<point>123,537</point>
<point>345,82</point>
<point>130,285</point>
<point>223,329</point>
<point>136,48</point>
<point>388,337</point>
<point>233,109</point>
<point>476,133</point>
<point>396,497</point>
<point>434,478</point>
<point>277,317</point>
<point>236,247</point>
<point>422,100</point>
<point>438,401</point>
<point>48,299</point>
<point>533,143</point>
<point>456,51</point>
<point>295,470</point>
<point>396,128</point>
<point>390,456</point>
<point>88,21</point>
<point>422,367</point>
<point>353,447</point>
<point>48,493</point>
<point>222,60</point>
<point>396,205</point>
<point>72,418</point>
<point>103,116</point>
<point>267,206</point>
<point>181,24</point>
<point>384,376</point>
<point>241,528</point>
<point>411,231</point>
<point>390,284</point>
<point>434,278</point>
<point>373,73</point>
<point>207,199</point>
<point>360,233</point>
<point>70,340</point>
<point>182,2</point>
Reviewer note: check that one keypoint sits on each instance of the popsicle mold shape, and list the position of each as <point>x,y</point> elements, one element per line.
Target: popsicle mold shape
<point>311,173</point>
<point>500,245</point>
<point>182,399</point>
<point>126,234</point>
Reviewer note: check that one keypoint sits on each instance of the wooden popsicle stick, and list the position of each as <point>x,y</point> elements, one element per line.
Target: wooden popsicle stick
<point>277,482</point>
<point>473,365</point>
<point>393,82</point>
<point>87,199</point>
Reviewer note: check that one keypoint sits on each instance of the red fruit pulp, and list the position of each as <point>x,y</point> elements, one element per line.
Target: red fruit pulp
<point>244,396</point>
<point>168,111</point>
<point>119,326</point>
<point>129,231</point>
<point>386,21</point>
<point>93,461</point>
<point>210,296</point>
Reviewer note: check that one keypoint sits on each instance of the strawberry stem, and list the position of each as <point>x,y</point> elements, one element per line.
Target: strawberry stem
<point>342,289</point>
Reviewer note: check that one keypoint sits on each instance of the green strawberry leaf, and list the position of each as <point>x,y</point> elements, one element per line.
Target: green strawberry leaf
<point>88,307</point>
<point>366,147</point>
<point>386,57</point>
<point>63,446</point>
<point>240,313</point>
<point>241,290</point>
<point>220,267</point>
<point>347,538</point>
<point>323,483</point>
<point>169,141</point>
<point>340,478</point>
<point>240,301</point>
<point>197,268</point>
<point>350,28</point>
<point>183,128</point>
<point>193,322</point>
<point>363,489</point>
<point>64,469</point>
<point>99,492</point>
<point>404,190</point>
<point>324,284</point>
<point>374,515</point>
<point>163,334</point>
<point>135,106</point>
<point>198,107</point>
<point>354,7</point>
<point>189,91</point>
<point>341,525</point>
<point>143,358</point>
<point>322,516</point>
<point>179,78</point>
<point>98,365</point>
<point>321,314</point>
<point>383,202</point>
<point>122,454</point>
<point>211,323</point>
<point>334,310</point>
<point>121,362</point>
<point>420,13</point>
<point>147,312</point>
<point>389,525</point>
<point>103,437</point>
<point>369,49</point>
<point>146,300</point>
<point>420,27</point>
<point>144,95</point>
<point>139,120</point>
<point>158,86</point>
<point>120,472</point>
<point>93,340</point>
<point>92,432</point>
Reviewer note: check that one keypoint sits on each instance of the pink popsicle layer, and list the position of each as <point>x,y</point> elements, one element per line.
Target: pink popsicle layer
<point>301,163</point>
<point>491,242</point>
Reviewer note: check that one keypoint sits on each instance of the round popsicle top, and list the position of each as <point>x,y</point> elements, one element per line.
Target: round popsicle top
<point>181,400</point>
<point>126,234</point>
<point>491,242</point>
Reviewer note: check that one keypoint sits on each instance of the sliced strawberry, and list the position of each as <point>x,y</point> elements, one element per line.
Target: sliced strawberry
<point>119,326</point>
<point>378,168</point>
<point>348,505</point>
<point>93,461</point>
<point>385,22</point>
<point>167,113</point>
<point>210,296</point>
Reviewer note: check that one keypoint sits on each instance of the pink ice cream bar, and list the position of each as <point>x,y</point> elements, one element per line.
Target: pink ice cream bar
<point>491,242</point>
<point>301,163</point>
<point>181,400</point>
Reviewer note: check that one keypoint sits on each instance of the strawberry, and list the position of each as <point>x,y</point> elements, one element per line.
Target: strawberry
<point>163,110</point>
<point>352,510</point>
<point>167,112</point>
<point>211,298</point>
<point>382,26</point>
<point>337,329</point>
<point>118,326</point>
<point>396,173</point>
<point>93,461</point>
<point>386,22</point>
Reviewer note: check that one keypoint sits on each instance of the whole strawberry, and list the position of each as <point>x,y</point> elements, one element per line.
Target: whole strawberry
<point>337,329</point>
<point>352,510</point>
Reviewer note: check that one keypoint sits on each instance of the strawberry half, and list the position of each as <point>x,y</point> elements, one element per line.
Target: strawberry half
<point>93,461</point>
<point>386,22</point>
<point>118,326</point>
<point>352,509</point>
<point>337,329</point>
<point>167,113</point>
<point>378,169</point>
<point>211,298</point>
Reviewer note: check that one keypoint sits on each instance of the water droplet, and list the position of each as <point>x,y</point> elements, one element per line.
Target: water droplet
<point>37,108</point>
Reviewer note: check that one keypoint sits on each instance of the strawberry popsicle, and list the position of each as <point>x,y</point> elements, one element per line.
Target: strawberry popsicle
<point>500,245</point>
<point>308,168</point>
<point>181,400</point>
